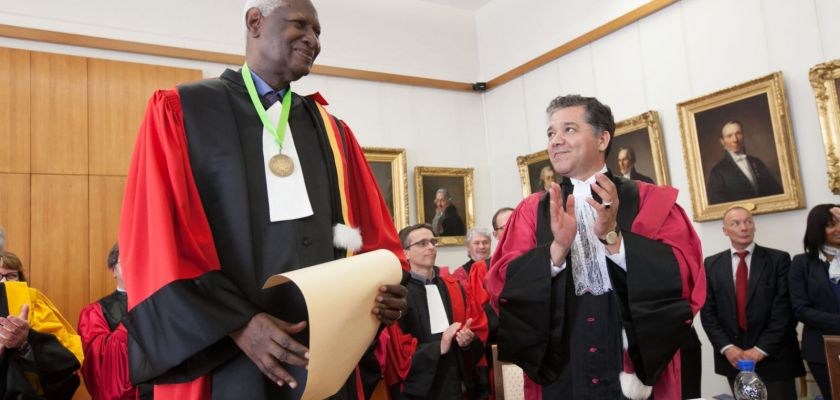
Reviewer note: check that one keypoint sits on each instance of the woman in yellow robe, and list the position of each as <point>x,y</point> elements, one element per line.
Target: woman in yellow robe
<point>40,352</point>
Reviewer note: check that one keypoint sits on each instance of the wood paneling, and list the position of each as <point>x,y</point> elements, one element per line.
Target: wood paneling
<point>14,111</point>
<point>60,241</point>
<point>106,194</point>
<point>81,392</point>
<point>117,97</point>
<point>14,215</point>
<point>59,114</point>
<point>67,130</point>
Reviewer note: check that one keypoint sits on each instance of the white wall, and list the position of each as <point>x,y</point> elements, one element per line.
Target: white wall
<point>511,32</point>
<point>684,51</point>
<point>409,37</point>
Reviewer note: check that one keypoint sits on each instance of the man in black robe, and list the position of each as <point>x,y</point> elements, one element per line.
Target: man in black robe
<point>434,350</point>
<point>596,286</point>
<point>209,216</point>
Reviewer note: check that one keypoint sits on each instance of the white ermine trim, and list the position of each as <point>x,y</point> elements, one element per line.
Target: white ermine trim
<point>345,237</point>
<point>624,341</point>
<point>633,388</point>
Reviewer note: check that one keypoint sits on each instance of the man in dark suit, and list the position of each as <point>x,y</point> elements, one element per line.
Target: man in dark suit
<point>747,314</point>
<point>627,165</point>
<point>738,176</point>
<point>447,222</point>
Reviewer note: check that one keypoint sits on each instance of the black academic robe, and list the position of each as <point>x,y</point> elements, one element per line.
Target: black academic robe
<point>431,375</point>
<point>214,209</point>
<point>50,371</point>
<point>571,345</point>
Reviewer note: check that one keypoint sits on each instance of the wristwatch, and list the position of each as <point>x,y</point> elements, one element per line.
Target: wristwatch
<point>612,236</point>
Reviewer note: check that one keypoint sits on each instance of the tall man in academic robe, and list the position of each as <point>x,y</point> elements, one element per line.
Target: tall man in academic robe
<point>748,315</point>
<point>596,282</point>
<point>234,180</point>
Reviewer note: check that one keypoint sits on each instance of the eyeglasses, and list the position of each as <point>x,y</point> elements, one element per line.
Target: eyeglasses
<point>424,243</point>
<point>10,276</point>
<point>500,228</point>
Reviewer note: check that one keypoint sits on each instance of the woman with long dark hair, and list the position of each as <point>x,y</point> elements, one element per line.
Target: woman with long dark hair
<point>814,286</point>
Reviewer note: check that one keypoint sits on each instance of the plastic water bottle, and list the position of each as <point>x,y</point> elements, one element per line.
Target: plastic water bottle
<point>748,386</point>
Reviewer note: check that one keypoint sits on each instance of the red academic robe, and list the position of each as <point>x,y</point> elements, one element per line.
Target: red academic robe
<point>659,218</point>
<point>106,356</point>
<point>474,282</point>
<point>166,239</point>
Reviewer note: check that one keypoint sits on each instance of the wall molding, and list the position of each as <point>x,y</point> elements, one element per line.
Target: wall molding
<point>70,39</point>
<point>634,15</point>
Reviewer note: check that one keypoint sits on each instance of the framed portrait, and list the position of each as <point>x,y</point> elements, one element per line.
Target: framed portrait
<point>389,169</point>
<point>825,79</point>
<point>535,172</point>
<point>445,200</point>
<point>738,149</point>
<point>637,151</point>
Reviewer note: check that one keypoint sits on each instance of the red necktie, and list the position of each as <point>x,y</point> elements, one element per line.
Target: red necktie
<point>741,285</point>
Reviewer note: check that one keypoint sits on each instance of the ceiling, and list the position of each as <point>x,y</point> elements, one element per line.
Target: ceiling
<point>471,5</point>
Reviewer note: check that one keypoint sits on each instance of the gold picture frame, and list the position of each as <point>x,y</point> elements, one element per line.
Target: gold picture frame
<point>458,182</point>
<point>389,169</point>
<point>758,109</point>
<point>643,135</point>
<point>530,171</point>
<point>825,80</point>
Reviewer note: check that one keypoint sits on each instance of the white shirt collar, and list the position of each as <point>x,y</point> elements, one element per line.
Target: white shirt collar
<point>582,188</point>
<point>737,157</point>
<point>750,249</point>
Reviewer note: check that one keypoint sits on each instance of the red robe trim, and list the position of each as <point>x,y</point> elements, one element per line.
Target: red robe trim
<point>105,369</point>
<point>474,285</point>
<point>659,218</point>
<point>164,227</point>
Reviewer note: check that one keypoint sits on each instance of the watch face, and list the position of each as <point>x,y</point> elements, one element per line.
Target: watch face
<point>612,237</point>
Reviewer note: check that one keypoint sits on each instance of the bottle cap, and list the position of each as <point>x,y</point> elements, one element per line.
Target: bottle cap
<point>746,365</point>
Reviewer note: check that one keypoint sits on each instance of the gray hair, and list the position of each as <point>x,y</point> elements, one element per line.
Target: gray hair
<point>445,193</point>
<point>477,231</point>
<point>266,7</point>
<point>2,238</point>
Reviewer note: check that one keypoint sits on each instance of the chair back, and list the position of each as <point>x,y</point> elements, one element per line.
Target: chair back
<point>508,379</point>
<point>832,360</point>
